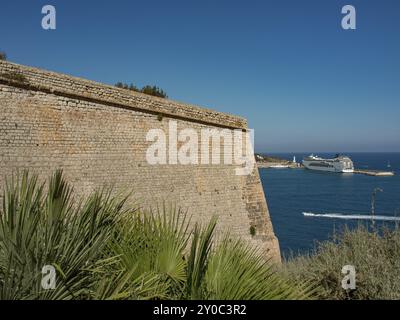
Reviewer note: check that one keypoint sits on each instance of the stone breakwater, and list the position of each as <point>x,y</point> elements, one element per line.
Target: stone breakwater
<point>97,135</point>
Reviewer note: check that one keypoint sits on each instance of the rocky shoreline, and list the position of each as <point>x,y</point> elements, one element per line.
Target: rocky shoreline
<point>264,161</point>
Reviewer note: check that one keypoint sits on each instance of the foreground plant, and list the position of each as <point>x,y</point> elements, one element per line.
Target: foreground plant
<point>103,249</point>
<point>39,229</point>
<point>149,255</point>
<point>374,254</point>
<point>237,272</point>
<point>177,264</point>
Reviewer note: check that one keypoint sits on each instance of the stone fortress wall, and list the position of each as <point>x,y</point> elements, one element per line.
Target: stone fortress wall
<point>97,135</point>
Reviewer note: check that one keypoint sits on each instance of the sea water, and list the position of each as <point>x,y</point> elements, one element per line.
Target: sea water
<point>308,206</point>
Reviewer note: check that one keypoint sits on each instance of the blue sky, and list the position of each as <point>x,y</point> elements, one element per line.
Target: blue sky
<point>303,82</point>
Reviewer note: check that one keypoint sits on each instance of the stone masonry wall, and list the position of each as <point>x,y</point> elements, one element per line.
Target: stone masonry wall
<point>97,134</point>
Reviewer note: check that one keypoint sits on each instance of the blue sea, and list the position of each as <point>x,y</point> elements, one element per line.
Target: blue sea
<point>290,192</point>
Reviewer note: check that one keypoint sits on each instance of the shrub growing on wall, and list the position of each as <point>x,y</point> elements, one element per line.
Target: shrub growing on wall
<point>150,90</point>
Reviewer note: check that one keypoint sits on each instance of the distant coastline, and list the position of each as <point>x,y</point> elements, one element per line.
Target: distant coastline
<point>266,161</point>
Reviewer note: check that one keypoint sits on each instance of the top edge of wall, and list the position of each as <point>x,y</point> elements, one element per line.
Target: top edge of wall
<point>79,88</point>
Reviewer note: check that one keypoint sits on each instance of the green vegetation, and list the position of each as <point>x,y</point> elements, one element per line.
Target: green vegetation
<point>13,76</point>
<point>3,55</point>
<point>266,158</point>
<point>375,256</point>
<point>252,231</point>
<point>102,248</point>
<point>150,90</point>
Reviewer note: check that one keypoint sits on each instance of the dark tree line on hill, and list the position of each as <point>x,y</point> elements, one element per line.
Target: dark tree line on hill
<point>3,55</point>
<point>151,90</point>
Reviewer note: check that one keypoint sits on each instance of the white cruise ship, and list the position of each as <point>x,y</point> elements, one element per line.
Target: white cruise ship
<point>337,164</point>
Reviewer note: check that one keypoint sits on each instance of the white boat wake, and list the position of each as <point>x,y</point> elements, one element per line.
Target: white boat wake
<point>350,216</point>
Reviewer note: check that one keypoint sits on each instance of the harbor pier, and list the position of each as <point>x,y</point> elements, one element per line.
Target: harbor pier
<point>374,172</point>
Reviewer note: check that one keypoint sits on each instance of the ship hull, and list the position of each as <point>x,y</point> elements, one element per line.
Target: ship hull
<point>310,166</point>
<point>325,166</point>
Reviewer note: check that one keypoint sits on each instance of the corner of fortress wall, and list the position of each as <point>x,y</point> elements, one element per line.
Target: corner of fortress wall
<point>97,135</point>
